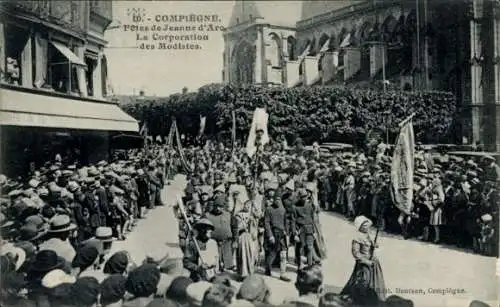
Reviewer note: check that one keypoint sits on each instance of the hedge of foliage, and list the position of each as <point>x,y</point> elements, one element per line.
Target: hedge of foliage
<point>311,113</point>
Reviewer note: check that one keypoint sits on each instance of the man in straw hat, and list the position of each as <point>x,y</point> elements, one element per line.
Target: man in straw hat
<point>201,256</point>
<point>59,233</point>
<point>103,241</point>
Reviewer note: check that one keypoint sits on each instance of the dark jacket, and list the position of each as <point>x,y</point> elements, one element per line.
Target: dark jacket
<point>303,217</point>
<point>274,220</point>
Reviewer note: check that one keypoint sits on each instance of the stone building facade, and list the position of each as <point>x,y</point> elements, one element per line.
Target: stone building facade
<point>53,80</point>
<point>412,45</point>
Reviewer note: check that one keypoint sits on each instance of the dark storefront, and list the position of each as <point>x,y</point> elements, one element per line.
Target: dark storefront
<point>35,127</point>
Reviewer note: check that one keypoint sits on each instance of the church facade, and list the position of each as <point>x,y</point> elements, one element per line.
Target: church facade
<point>408,45</point>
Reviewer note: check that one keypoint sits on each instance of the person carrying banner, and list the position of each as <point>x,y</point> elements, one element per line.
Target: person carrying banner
<point>201,256</point>
<point>402,169</point>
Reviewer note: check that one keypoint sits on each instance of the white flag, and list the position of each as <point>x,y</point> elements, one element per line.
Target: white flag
<point>259,122</point>
<point>203,121</point>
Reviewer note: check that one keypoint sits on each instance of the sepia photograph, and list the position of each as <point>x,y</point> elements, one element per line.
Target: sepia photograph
<point>249,153</point>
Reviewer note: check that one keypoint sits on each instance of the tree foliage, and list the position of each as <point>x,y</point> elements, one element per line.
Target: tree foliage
<point>311,113</point>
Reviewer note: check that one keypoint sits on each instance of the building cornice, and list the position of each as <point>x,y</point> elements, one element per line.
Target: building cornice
<point>99,19</point>
<point>95,38</point>
<point>19,16</point>
<point>343,13</point>
<point>256,22</point>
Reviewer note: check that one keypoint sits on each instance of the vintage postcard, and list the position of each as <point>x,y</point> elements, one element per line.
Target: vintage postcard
<point>249,153</point>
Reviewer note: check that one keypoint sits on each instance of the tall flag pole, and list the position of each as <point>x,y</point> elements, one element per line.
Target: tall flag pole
<point>233,130</point>
<point>402,167</point>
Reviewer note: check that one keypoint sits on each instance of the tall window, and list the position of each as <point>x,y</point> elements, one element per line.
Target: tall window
<point>274,51</point>
<point>104,76</point>
<point>89,74</point>
<point>15,43</point>
<point>292,55</point>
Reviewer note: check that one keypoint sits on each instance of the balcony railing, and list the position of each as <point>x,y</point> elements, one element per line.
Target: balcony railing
<point>69,14</point>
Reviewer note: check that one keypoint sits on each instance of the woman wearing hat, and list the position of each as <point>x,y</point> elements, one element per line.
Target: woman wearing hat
<point>201,256</point>
<point>245,228</point>
<point>367,273</point>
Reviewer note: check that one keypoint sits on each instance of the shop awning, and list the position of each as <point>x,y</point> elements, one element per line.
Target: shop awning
<point>73,58</point>
<point>22,108</point>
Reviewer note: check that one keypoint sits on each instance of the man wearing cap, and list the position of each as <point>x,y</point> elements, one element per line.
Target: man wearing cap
<point>275,236</point>
<point>201,256</point>
<point>303,219</point>
<point>59,233</point>
<point>492,171</point>
<point>102,201</point>
<point>222,220</point>
<point>349,191</point>
<point>143,190</point>
<point>91,205</point>
<point>289,199</point>
<point>154,184</point>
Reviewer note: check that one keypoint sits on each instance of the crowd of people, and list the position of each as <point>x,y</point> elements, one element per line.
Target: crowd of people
<point>238,213</point>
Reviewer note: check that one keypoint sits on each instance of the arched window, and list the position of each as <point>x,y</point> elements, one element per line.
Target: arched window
<point>243,58</point>
<point>291,44</point>
<point>274,50</point>
<point>323,43</point>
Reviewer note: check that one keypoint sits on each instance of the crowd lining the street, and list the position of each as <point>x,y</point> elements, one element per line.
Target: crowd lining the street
<point>237,213</point>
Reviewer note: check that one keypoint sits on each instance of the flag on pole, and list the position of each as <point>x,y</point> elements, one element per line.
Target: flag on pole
<point>233,130</point>
<point>259,122</point>
<point>402,169</point>
<point>203,121</point>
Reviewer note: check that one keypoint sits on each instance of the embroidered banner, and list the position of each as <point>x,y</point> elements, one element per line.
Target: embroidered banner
<point>402,169</point>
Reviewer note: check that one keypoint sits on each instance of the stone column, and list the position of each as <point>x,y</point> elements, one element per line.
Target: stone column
<point>496,82</point>
<point>2,50</point>
<point>352,62</point>
<point>285,57</point>
<point>26,65</point>
<point>378,57</point>
<point>476,73</point>
<point>97,77</point>
<point>258,58</point>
